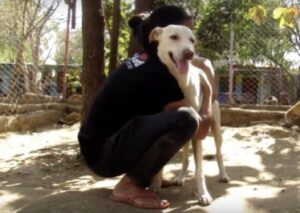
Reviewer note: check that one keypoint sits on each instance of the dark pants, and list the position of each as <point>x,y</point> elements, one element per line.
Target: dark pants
<point>145,144</point>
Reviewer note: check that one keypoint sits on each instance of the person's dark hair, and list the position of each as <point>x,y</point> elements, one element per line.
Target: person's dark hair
<point>160,17</point>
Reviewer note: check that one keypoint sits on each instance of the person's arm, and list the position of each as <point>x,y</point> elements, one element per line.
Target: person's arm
<point>205,111</point>
<point>206,65</point>
<point>207,92</point>
<point>177,104</point>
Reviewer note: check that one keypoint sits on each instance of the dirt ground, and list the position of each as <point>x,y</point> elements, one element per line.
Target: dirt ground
<point>41,172</point>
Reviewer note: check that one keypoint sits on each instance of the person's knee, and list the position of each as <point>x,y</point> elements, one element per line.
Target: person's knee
<point>184,129</point>
<point>188,121</point>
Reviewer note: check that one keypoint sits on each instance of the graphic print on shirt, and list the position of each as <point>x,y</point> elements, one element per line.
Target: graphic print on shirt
<point>137,60</point>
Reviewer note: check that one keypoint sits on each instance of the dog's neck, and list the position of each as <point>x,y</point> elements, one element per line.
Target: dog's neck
<point>183,80</point>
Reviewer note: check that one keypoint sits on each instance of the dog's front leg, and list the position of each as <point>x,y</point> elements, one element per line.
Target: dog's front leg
<point>179,179</point>
<point>216,129</point>
<point>156,182</point>
<point>203,195</point>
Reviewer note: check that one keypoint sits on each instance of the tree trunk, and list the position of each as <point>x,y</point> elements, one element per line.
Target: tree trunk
<point>141,6</point>
<point>20,79</point>
<point>115,36</point>
<point>35,83</point>
<point>93,51</point>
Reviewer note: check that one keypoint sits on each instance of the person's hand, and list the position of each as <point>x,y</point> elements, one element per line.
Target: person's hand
<point>177,104</point>
<point>204,124</point>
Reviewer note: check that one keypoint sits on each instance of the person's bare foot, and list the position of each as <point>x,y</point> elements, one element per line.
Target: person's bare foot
<point>128,192</point>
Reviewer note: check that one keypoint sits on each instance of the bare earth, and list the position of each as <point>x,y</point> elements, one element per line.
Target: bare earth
<point>41,172</point>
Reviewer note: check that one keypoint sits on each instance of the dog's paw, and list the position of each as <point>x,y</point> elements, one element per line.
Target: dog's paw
<point>178,181</point>
<point>204,199</point>
<point>224,178</point>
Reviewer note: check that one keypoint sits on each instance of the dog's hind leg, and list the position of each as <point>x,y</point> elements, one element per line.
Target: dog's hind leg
<point>179,179</point>
<point>203,195</point>
<point>216,129</point>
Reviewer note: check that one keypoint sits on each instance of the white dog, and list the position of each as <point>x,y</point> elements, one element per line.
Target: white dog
<point>175,50</point>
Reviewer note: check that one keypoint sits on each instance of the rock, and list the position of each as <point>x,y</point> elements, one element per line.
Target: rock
<point>292,115</point>
<point>71,118</point>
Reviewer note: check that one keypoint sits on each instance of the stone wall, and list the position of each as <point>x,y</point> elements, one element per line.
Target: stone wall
<point>31,116</point>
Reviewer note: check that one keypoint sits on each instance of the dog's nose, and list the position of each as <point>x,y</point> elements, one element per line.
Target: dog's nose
<point>188,54</point>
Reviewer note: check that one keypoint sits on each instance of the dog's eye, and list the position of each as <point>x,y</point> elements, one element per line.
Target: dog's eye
<point>174,37</point>
<point>192,40</point>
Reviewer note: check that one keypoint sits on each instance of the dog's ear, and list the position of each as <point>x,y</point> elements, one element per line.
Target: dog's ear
<point>155,33</point>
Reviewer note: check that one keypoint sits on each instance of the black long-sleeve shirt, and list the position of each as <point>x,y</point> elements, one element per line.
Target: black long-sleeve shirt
<point>142,85</point>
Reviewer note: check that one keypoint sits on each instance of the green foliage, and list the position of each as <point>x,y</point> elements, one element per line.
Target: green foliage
<point>214,29</point>
<point>9,23</point>
<point>73,79</point>
<point>194,6</point>
<point>257,14</point>
<point>286,16</point>
<point>75,47</point>
<point>126,12</point>
<point>285,39</point>
<point>14,27</point>
<point>125,31</point>
<point>257,37</point>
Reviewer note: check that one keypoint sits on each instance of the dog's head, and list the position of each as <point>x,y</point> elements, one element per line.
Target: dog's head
<point>175,46</point>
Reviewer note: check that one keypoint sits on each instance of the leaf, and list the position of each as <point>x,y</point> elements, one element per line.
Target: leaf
<point>294,11</point>
<point>257,14</point>
<point>281,23</point>
<point>278,12</point>
<point>286,16</point>
<point>121,40</point>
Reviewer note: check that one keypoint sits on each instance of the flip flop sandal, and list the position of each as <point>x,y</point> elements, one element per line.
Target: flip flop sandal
<point>131,200</point>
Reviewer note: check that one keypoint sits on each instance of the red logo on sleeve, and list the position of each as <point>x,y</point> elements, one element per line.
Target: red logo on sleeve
<point>137,60</point>
<point>143,57</point>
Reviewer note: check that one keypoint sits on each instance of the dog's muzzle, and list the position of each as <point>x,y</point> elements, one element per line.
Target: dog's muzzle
<point>182,65</point>
<point>172,58</point>
<point>187,54</point>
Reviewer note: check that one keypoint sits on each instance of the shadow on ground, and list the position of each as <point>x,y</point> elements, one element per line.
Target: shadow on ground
<point>54,179</point>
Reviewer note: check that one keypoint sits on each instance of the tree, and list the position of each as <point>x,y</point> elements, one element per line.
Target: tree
<point>115,35</point>
<point>21,22</point>
<point>214,29</point>
<point>141,6</point>
<point>288,20</point>
<point>194,6</point>
<point>93,51</point>
<point>37,42</point>
<point>285,25</point>
<point>122,40</point>
<point>144,6</point>
<point>253,43</point>
<point>75,47</point>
